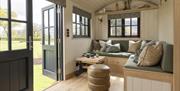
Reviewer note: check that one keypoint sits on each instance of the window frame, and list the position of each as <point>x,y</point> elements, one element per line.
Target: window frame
<point>10,20</point>
<point>85,24</point>
<point>123,28</point>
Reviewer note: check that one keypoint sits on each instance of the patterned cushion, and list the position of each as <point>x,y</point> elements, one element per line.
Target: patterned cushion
<point>104,45</point>
<point>95,45</point>
<point>113,48</point>
<point>151,55</point>
<point>134,46</point>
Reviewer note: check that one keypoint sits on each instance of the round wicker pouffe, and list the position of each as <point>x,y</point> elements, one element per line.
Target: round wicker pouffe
<point>98,77</point>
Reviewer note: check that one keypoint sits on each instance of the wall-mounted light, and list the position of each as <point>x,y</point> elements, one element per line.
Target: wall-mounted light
<point>100,18</point>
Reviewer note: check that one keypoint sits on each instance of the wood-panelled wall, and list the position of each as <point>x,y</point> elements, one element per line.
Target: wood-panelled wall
<point>177,45</point>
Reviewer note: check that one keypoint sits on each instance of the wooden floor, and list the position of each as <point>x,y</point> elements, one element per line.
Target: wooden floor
<point>80,84</point>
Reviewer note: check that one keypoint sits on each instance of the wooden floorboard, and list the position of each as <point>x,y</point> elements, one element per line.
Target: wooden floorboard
<point>80,83</point>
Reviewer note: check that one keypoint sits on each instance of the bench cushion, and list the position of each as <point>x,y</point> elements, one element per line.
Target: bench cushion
<point>119,54</point>
<point>167,58</point>
<point>132,65</point>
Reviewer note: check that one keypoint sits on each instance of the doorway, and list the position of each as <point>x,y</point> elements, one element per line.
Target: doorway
<point>47,44</point>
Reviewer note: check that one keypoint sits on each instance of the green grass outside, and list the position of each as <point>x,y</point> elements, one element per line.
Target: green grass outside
<point>41,82</point>
<point>18,44</point>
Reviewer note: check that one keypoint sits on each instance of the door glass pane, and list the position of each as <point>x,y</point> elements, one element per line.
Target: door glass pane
<point>78,29</point>
<point>52,36</point>
<point>74,29</point>
<point>134,30</point>
<point>45,18</point>
<point>134,21</point>
<point>18,9</point>
<point>3,9</point>
<point>51,12</point>
<point>3,36</point>
<point>18,36</point>
<point>127,30</point>
<point>127,21</point>
<point>46,36</point>
<point>113,22</point>
<point>119,22</point>
<point>113,33</point>
<point>74,17</point>
<point>119,31</point>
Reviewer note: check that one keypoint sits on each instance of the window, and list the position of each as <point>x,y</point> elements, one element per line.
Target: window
<point>124,26</point>
<point>13,25</point>
<point>81,23</point>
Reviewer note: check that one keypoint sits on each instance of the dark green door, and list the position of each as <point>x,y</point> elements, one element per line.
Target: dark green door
<point>51,48</point>
<point>16,46</point>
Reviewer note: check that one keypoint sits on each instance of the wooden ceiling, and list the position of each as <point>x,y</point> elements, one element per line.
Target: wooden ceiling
<point>98,5</point>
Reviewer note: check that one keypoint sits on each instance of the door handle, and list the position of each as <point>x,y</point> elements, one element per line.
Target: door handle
<point>30,43</point>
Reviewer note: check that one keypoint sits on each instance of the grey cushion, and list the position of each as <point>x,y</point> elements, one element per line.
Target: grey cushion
<point>132,65</point>
<point>119,54</point>
<point>167,59</point>
<point>113,48</point>
<point>124,44</point>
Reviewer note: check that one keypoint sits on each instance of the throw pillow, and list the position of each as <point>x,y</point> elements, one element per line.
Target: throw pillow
<point>134,46</point>
<point>151,55</point>
<point>96,45</point>
<point>113,48</point>
<point>143,45</point>
<point>104,44</point>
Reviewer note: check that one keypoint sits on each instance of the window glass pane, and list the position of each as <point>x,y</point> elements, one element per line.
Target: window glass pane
<point>86,21</point>
<point>52,36</point>
<point>119,22</point>
<point>74,29</point>
<point>127,21</point>
<point>78,29</point>
<point>18,36</point>
<point>46,36</point>
<point>134,30</point>
<point>51,12</point>
<point>113,33</point>
<point>3,9</point>
<point>74,17</point>
<point>3,36</point>
<point>127,30</point>
<point>86,30</point>
<point>134,21</point>
<point>113,22</point>
<point>18,9</point>
<point>83,30</point>
<point>45,18</point>
<point>119,31</point>
<point>83,22</point>
<point>78,19</point>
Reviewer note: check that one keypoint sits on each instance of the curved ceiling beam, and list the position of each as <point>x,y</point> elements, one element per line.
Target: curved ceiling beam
<point>148,1</point>
<point>128,3</point>
<point>108,4</point>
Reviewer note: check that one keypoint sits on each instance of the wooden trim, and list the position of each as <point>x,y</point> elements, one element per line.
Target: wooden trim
<point>69,76</point>
<point>165,77</point>
<point>176,76</point>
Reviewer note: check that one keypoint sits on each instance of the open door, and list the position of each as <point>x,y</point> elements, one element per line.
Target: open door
<point>51,42</point>
<point>16,45</point>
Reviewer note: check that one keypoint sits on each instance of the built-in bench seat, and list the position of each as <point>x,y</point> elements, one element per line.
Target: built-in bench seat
<point>119,54</point>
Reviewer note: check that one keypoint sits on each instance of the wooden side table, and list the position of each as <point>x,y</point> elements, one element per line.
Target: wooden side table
<point>84,62</point>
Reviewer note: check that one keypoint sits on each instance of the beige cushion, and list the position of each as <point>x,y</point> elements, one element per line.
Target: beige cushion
<point>151,55</point>
<point>134,46</point>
